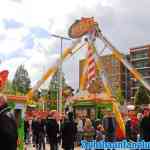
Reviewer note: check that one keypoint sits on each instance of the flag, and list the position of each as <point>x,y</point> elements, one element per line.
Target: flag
<point>3,77</point>
<point>120,130</point>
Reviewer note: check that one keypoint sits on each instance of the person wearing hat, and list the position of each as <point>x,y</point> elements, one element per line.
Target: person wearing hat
<point>8,126</point>
<point>132,125</point>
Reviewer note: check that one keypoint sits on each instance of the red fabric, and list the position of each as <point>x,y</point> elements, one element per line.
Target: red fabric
<point>3,77</point>
<point>119,133</point>
<point>134,121</point>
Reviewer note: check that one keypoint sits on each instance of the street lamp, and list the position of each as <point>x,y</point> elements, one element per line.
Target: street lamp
<point>59,99</point>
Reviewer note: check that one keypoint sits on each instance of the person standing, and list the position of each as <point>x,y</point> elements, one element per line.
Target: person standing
<point>132,126</point>
<point>26,131</point>
<point>79,130</point>
<point>109,124</point>
<point>68,132</point>
<point>145,125</point>
<point>40,141</point>
<point>99,133</point>
<point>34,130</point>
<point>88,130</point>
<point>52,130</point>
<point>8,126</point>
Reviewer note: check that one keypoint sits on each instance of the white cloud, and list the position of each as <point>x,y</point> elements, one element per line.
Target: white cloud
<point>38,64</point>
<point>11,65</point>
<point>9,46</point>
<point>127,19</point>
<point>12,40</point>
<point>38,12</point>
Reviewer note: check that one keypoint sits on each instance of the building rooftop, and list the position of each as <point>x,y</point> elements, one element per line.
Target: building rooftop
<point>140,47</point>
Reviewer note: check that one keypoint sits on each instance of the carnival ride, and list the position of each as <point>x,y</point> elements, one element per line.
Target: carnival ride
<point>77,30</point>
<point>87,27</point>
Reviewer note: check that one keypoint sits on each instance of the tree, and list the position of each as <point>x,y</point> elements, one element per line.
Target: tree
<point>21,81</point>
<point>54,87</point>
<point>44,94</point>
<point>8,89</point>
<point>119,96</point>
<point>142,96</point>
<point>36,95</point>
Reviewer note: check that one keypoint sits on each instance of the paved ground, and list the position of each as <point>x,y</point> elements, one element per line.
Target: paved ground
<point>30,147</point>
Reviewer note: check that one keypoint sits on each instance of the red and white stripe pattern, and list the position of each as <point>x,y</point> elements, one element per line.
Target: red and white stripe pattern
<point>91,65</point>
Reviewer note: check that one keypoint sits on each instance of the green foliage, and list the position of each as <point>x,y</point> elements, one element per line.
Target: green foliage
<point>8,89</point>
<point>54,85</point>
<point>36,95</point>
<point>21,133</point>
<point>119,96</point>
<point>11,105</point>
<point>53,91</point>
<point>21,81</point>
<point>142,96</point>
<point>44,94</point>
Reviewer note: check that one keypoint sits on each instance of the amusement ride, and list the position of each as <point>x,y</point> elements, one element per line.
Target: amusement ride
<point>88,29</point>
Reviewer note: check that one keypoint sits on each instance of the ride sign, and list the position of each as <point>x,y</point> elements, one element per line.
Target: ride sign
<point>81,27</point>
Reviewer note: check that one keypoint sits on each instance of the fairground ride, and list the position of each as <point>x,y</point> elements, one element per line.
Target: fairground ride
<point>88,27</point>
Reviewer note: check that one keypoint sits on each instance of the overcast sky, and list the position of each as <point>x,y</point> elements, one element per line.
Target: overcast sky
<point>25,26</point>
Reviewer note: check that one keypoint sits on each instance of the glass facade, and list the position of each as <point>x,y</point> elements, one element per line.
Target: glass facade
<point>140,58</point>
<point>140,54</point>
<point>145,72</point>
<point>141,64</point>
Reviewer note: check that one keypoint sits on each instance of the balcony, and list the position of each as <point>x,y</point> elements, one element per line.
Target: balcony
<point>148,67</point>
<point>138,59</point>
<point>134,87</point>
<point>146,77</point>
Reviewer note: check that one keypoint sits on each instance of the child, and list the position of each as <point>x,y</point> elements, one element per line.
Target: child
<point>99,132</point>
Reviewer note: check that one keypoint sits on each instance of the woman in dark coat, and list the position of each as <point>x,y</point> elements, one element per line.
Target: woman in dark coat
<point>52,129</point>
<point>69,130</point>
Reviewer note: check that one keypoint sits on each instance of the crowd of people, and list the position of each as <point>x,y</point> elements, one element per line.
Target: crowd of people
<point>51,131</point>
<point>68,131</point>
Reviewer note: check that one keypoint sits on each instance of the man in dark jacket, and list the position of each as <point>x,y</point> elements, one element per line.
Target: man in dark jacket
<point>8,127</point>
<point>52,129</point>
<point>145,126</point>
<point>34,130</point>
<point>109,124</point>
<point>26,131</point>
<point>40,142</point>
<point>69,130</point>
<point>132,126</point>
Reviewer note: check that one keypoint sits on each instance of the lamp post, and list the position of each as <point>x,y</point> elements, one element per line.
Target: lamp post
<point>59,98</point>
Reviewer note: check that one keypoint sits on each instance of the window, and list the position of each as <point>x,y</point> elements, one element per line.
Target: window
<point>114,62</point>
<point>148,80</point>
<point>141,64</point>
<point>140,54</point>
<point>135,84</point>
<point>145,72</point>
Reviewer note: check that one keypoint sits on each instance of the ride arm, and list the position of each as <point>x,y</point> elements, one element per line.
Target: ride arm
<point>124,61</point>
<point>51,71</point>
<point>102,73</point>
